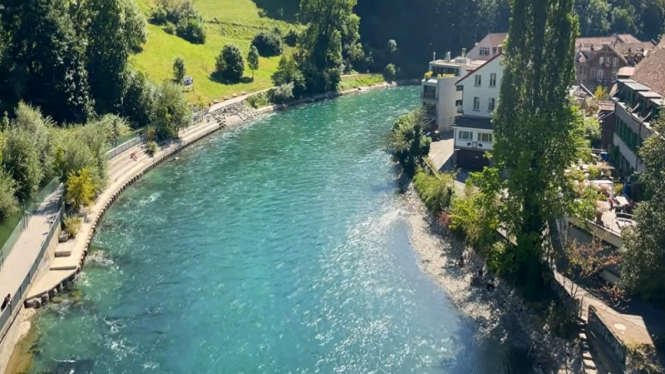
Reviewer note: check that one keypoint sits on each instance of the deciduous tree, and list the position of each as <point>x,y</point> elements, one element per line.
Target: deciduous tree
<point>179,70</point>
<point>80,189</point>
<point>230,63</point>
<point>253,60</point>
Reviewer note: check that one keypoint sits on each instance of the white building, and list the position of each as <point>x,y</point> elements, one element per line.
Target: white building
<point>440,94</point>
<point>488,48</point>
<point>473,129</point>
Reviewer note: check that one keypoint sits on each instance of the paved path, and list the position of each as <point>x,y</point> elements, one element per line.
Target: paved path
<point>24,253</point>
<point>69,255</point>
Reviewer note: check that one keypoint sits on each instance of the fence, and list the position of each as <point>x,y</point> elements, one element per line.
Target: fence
<point>17,296</point>
<point>136,138</point>
<point>27,212</point>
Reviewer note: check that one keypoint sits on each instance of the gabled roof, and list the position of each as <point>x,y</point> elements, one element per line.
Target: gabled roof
<point>651,71</point>
<point>479,68</point>
<point>496,38</point>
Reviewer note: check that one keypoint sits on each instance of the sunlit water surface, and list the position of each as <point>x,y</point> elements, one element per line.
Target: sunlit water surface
<point>280,247</point>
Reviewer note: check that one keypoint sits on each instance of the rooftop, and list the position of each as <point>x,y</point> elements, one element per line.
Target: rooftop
<point>651,71</point>
<point>474,122</point>
<point>626,71</point>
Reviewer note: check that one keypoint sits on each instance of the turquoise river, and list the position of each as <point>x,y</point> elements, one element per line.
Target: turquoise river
<point>279,247</point>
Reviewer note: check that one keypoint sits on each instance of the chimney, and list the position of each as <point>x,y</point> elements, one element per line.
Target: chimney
<point>500,48</point>
<point>434,58</point>
<point>463,52</point>
<point>448,56</point>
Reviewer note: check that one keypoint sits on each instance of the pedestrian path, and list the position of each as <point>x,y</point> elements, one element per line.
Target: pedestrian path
<point>26,250</point>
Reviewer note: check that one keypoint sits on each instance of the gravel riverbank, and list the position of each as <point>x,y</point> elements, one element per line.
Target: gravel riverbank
<point>501,313</point>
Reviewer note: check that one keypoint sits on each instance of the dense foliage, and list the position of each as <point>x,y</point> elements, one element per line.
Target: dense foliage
<point>436,191</point>
<point>643,267</point>
<point>408,142</point>
<point>536,132</point>
<point>230,63</point>
<point>288,72</point>
<point>181,13</point>
<point>171,112</point>
<point>268,43</point>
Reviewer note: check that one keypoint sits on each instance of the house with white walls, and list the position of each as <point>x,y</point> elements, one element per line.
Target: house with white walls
<point>440,95</point>
<point>489,47</point>
<point>473,132</point>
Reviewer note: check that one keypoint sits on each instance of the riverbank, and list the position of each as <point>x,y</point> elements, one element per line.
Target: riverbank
<point>501,314</point>
<point>124,172</point>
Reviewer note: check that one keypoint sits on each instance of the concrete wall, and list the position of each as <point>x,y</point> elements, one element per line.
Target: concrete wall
<point>484,91</point>
<point>447,95</point>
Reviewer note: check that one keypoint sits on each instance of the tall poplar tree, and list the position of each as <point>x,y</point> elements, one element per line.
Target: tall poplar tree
<point>536,129</point>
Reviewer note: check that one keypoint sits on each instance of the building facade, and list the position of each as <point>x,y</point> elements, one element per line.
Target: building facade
<point>441,99</point>
<point>473,132</point>
<point>638,102</point>
<point>598,61</point>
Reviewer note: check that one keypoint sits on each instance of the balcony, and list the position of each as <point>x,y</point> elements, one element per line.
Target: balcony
<point>429,96</point>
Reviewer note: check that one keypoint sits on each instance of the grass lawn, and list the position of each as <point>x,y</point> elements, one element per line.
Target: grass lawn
<point>238,21</point>
<point>359,80</point>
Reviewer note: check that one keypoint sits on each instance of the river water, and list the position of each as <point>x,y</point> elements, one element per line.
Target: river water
<point>280,247</point>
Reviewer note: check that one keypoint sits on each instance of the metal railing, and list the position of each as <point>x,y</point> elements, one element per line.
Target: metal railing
<point>17,296</point>
<point>136,139</point>
<point>28,211</point>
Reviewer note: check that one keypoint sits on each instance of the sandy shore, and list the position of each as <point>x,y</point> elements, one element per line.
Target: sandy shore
<point>501,314</point>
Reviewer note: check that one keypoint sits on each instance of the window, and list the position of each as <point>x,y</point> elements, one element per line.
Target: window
<point>615,62</point>
<point>476,104</point>
<point>599,75</point>
<point>479,79</point>
<point>465,135</point>
<point>460,87</point>
<point>484,51</point>
<point>484,137</point>
<point>614,76</point>
<point>602,59</point>
<point>491,104</point>
<point>493,51</point>
<point>492,79</point>
<point>593,73</point>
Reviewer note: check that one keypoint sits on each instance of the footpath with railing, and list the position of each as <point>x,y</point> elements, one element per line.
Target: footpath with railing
<point>22,264</point>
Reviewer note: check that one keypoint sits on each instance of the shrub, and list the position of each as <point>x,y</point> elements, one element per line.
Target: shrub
<point>192,30</point>
<point>169,28</point>
<point>291,38</point>
<point>138,101</point>
<point>288,72</point>
<point>230,63</point>
<point>389,72</point>
<point>72,225</point>
<point>268,43</point>
<point>21,158</point>
<point>8,201</point>
<point>150,134</point>
<point>618,189</point>
<point>436,192</point>
<point>408,142</point>
<point>151,148</point>
<point>179,69</point>
<point>159,16</point>
<point>282,94</point>
<point>80,189</point>
<point>594,172</point>
<point>259,100</point>
<point>263,13</point>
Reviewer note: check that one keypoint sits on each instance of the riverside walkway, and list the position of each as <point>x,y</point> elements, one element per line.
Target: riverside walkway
<point>122,171</point>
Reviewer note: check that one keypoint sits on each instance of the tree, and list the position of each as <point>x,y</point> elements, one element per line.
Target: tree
<point>601,93</point>
<point>21,159</point>
<point>43,60</point>
<point>320,56</point>
<point>138,98</point>
<point>623,20</point>
<point>392,48</point>
<point>643,265</point>
<point>268,43</point>
<point>408,142</point>
<point>389,72</point>
<point>536,130</point>
<point>114,30</point>
<point>593,16</point>
<point>31,120</point>
<point>179,70</point>
<point>253,60</point>
<point>8,201</point>
<point>80,189</point>
<point>171,113</point>
<point>230,64</point>
<point>288,72</point>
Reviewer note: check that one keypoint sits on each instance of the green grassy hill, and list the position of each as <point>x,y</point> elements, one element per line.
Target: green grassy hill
<point>239,21</point>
